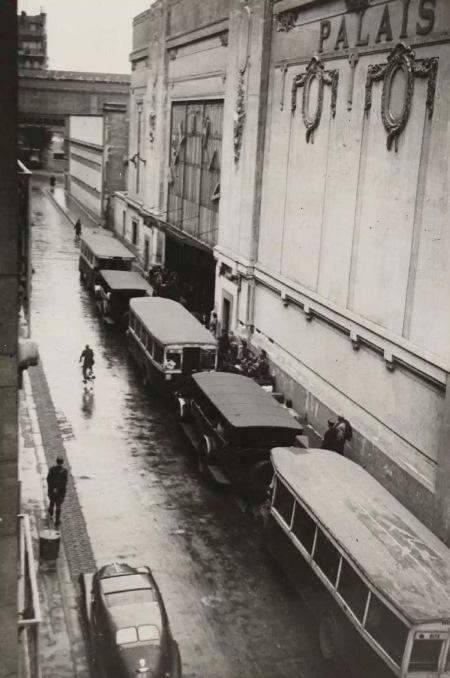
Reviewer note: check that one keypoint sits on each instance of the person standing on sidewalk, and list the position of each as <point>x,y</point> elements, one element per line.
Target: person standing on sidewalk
<point>57,483</point>
<point>77,229</point>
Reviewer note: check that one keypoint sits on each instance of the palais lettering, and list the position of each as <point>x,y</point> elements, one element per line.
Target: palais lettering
<point>377,24</point>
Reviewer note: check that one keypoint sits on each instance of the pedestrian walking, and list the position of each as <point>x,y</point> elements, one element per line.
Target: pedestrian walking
<point>344,432</point>
<point>57,483</point>
<point>77,228</point>
<point>329,439</point>
<point>87,358</point>
<point>213,324</point>
<point>52,182</point>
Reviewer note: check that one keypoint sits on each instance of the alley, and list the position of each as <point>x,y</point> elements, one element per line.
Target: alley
<point>230,609</point>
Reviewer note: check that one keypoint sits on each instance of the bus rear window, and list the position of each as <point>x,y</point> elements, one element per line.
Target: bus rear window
<point>283,502</point>
<point>387,629</point>
<point>425,655</point>
<point>353,590</point>
<point>304,527</point>
<point>327,557</point>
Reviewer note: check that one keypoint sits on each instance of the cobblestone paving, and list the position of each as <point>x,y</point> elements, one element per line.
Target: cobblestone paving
<point>73,526</point>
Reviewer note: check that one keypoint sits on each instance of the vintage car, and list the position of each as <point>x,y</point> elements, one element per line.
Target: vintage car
<point>113,292</point>
<point>128,628</point>
<point>233,423</point>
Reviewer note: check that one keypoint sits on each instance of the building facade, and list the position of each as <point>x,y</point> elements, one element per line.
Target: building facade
<point>32,41</point>
<point>96,157</point>
<point>330,198</point>
<point>170,210</point>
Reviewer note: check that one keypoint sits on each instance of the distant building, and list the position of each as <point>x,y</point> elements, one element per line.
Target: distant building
<point>32,41</point>
<point>96,156</point>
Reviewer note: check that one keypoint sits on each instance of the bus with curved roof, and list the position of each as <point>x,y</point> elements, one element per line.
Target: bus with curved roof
<point>101,251</point>
<point>376,578</point>
<point>233,423</point>
<point>114,290</point>
<point>168,342</point>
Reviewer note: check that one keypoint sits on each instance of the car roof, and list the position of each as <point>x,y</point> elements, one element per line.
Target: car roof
<point>402,558</point>
<point>242,402</point>
<point>106,245</point>
<point>125,280</point>
<point>169,322</point>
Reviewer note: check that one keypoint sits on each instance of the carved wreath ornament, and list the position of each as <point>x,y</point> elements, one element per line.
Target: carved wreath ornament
<point>315,71</point>
<point>402,61</point>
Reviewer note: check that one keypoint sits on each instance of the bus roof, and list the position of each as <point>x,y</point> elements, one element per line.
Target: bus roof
<point>402,558</point>
<point>104,245</point>
<point>243,403</point>
<point>169,322</point>
<point>125,280</point>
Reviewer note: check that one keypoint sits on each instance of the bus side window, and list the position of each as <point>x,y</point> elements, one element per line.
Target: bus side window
<point>283,502</point>
<point>304,527</point>
<point>353,590</point>
<point>387,629</point>
<point>326,557</point>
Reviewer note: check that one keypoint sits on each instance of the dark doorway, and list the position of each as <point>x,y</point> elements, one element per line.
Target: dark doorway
<point>196,270</point>
<point>226,313</point>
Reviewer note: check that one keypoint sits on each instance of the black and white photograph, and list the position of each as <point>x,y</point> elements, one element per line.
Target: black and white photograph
<point>225,339</point>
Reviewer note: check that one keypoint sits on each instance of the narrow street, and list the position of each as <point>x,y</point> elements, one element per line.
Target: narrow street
<point>230,609</point>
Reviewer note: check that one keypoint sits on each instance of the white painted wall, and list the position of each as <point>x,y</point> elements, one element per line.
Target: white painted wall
<point>87,128</point>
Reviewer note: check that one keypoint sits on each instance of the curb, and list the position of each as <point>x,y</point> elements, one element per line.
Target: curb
<point>49,194</point>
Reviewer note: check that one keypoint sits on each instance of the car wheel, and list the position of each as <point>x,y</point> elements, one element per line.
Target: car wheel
<point>328,636</point>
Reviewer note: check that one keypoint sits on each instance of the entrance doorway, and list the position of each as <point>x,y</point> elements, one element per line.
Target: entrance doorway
<point>226,314</point>
<point>146,254</point>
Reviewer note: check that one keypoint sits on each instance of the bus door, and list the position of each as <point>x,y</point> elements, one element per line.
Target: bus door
<point>191,359</point>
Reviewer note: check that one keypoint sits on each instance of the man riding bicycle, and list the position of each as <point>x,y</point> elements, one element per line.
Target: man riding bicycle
<point>87,356</point>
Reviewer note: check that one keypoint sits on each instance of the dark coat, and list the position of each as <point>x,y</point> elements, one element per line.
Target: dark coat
<point>329,440</point>
<point>88,357</point>
<point>57,482</point>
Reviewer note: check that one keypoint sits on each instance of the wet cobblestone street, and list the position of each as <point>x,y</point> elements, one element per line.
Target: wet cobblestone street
<point>135,493</point>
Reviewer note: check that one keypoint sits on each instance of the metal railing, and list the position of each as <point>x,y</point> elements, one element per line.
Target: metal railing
<point>29,609</point>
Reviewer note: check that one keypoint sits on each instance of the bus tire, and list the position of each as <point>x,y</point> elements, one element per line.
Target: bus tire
<point>328,636</point>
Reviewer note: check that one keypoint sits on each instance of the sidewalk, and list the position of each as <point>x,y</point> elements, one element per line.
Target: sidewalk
<point>62,650</point>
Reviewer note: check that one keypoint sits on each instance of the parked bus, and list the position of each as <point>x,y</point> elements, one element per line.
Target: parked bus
<point>114,290</point>
<point>167,342</point>
<point>232,424</point>
<point>101,251</point>
<point>376,578</point>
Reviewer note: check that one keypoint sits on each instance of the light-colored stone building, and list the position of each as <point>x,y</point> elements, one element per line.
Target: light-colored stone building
<point>96,158</point>
<point>332,241</point>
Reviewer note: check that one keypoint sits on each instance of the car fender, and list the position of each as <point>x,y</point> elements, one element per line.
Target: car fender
<point>184,408</point>
<point>85,581</point>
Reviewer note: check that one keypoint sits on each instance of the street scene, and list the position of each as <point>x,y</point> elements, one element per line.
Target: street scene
<point>139,491</point>
<point>225,339</point>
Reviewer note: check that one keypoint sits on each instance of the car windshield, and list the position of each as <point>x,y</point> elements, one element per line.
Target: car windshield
<point>146,633</point>
<point>117,598</point>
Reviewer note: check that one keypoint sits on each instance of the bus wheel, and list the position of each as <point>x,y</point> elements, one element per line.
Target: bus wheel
<point>328,636</point>
<point>202,457</point>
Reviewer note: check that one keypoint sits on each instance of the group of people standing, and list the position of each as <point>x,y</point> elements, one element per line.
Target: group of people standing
<point>337,434</point>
